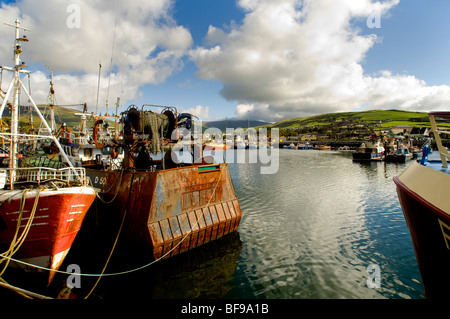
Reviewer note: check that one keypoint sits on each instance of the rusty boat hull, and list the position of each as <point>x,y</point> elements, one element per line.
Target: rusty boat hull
<point>170,211</point>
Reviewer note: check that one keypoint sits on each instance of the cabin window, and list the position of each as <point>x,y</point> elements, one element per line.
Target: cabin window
<point>106,150</point>
<point>87,152</point>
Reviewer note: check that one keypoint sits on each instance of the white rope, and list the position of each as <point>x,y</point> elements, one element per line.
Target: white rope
<point>16,243</point>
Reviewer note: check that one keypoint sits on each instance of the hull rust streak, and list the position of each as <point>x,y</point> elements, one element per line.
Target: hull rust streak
<point>173,210</point>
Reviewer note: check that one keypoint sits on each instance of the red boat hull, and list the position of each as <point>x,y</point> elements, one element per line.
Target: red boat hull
<point>429,226</point>
<point>58,217</point>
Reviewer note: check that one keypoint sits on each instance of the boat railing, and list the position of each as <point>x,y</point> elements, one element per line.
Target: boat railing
<point>44,174</point>
<point>444,154</point>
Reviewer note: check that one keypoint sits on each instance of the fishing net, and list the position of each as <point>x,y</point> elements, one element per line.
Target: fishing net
<point>153,123</point>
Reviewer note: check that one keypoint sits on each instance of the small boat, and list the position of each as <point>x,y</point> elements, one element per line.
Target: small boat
<point>240,145</point>
<point>217,146</point>
<point>423,195</point>
<point>371,150</point>
<point>41,208</point>
<point>304,146</point>
<point>344,148</point>
<point>262,145</point>
<point>324,147</point>
<point>416,152</point>
<point>401,155</point>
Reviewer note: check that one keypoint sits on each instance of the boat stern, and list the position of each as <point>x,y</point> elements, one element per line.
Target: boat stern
<point>192,206</point>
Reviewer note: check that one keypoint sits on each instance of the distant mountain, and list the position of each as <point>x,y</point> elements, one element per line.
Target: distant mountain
<point>233,123</point>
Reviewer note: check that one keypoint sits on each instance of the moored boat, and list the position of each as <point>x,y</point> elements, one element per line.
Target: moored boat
<point>168,205</point>
<point>173,210</point>
<point>401,155</point>
<point>371,150</point>
<point>240,145</point>
<point>324,147</point>
<point>41,216</point>
<point>304,146</point>
<point>217,146</point>
<point>41,208</point>
<point>423,194</point>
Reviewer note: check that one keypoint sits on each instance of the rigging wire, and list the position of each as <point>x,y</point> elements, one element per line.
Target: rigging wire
<point>112,55</point>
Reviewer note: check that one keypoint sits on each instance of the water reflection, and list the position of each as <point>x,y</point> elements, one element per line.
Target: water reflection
<point>312,229</point>
<point>308,231</point>
<point>204,272</point>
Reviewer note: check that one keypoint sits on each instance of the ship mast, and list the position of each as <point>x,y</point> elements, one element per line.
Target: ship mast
<point>13,163</point>
<point>14,88</point>
<point>52,104</point>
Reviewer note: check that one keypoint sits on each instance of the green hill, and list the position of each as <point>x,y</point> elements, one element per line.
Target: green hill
<point>62,114</point>
<point>388,119</point>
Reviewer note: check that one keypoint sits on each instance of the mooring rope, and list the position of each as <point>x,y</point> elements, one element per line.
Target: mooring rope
<point>109,257</point>
<point>117,190</point>
<point>16,243</point>
<point>25,293</point>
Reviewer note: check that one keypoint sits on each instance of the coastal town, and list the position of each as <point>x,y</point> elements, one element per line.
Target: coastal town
<point>256,157</point>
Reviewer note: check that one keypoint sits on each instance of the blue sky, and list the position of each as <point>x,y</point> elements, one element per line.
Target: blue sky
<point>264,59</point>
<point>415,41</point>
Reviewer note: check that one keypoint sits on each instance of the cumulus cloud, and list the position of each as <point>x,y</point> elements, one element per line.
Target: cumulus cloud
<point>291,58</point>
<point>202,112</point>
<point>140,37</point>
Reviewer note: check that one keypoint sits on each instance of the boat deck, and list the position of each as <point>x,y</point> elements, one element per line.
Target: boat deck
<point>435,163</point>
<point>437,159</point>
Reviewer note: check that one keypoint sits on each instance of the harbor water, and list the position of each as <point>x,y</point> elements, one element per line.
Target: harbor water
<point>321,227</point>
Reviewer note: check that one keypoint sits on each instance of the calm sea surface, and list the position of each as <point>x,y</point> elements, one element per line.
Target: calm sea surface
<point>309,231</point>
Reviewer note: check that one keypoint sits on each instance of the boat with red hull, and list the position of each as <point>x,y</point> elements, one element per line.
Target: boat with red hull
<point>41,208</point>
<point>423,194</point>
<point>48,217</point>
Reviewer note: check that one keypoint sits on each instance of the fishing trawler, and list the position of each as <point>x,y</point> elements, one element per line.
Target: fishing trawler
<point>169,202</point>
<point>423,194</point>
<point>371,150</point>
<point>402,154</point>
<point>41,208</point>
<point>98,149</point>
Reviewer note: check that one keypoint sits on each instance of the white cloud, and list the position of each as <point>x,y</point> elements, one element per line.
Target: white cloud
<point>148,46</point>
<point>291,58</point>
<point>202,112</point>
